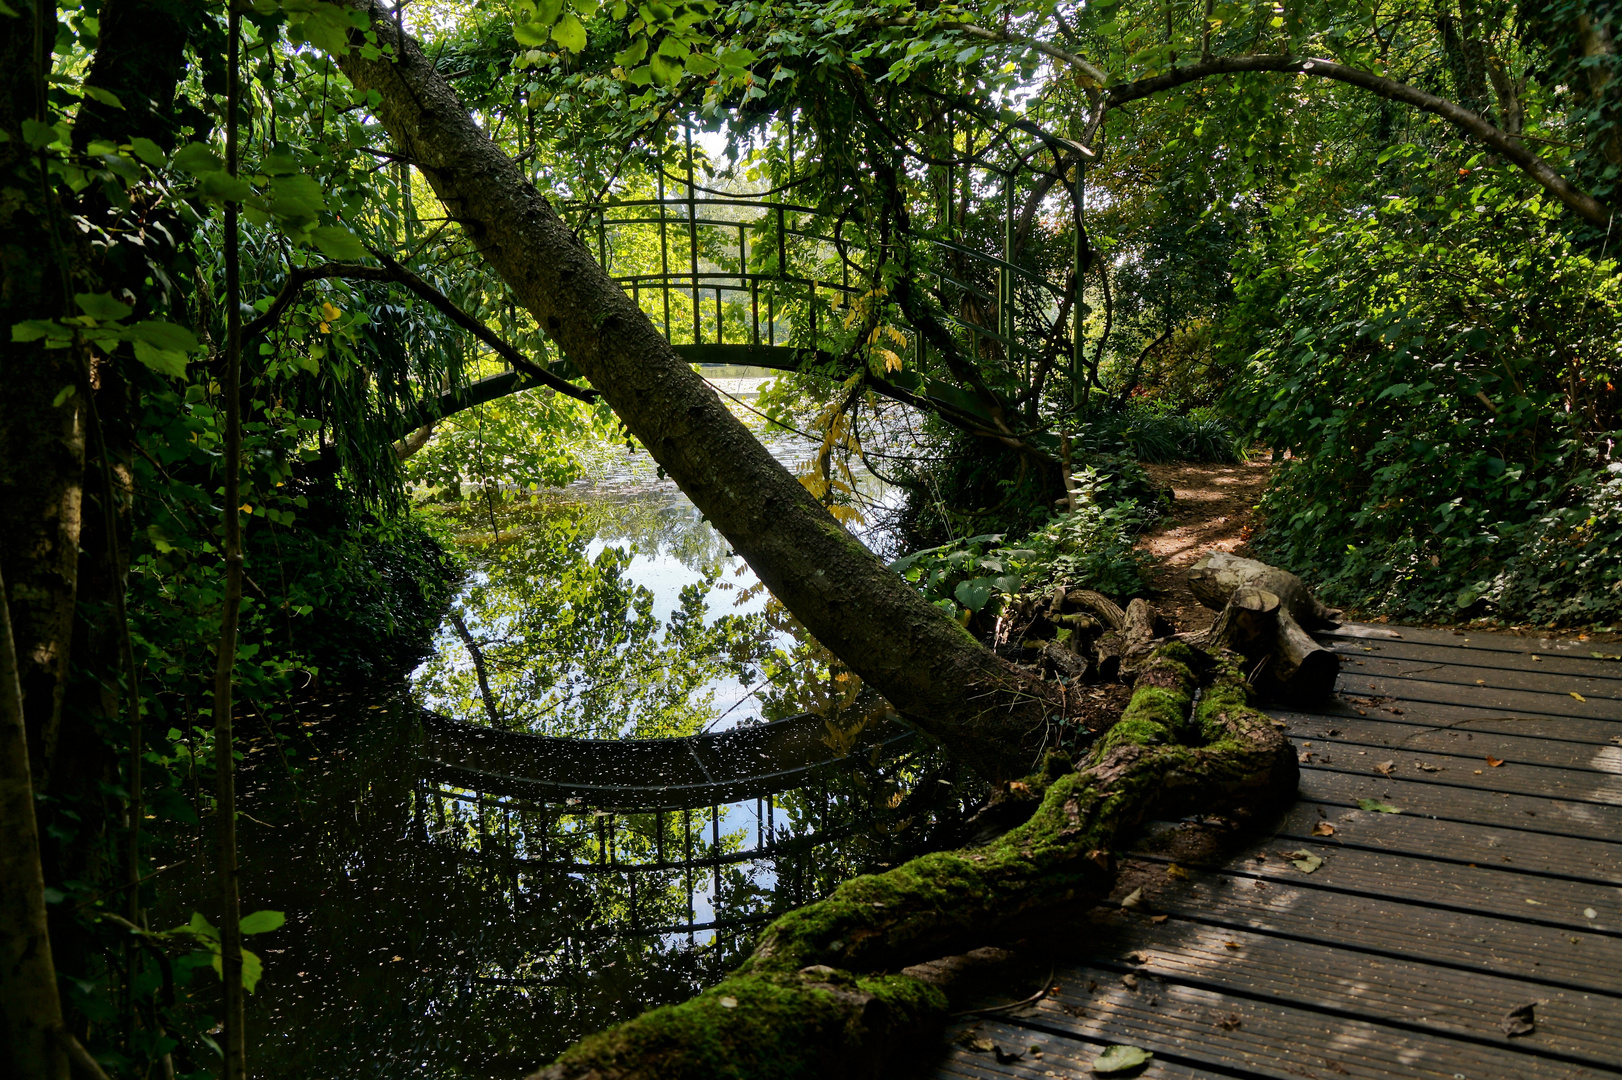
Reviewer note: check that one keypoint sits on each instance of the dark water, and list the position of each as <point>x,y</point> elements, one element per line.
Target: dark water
<point>436,930</point>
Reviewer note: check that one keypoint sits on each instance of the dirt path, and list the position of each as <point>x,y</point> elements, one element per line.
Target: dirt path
<point>1213,509</point>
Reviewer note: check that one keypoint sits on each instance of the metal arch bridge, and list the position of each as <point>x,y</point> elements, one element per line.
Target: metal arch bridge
<point>743,279</point>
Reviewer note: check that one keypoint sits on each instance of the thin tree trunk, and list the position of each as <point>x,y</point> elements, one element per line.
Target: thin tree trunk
<point>235,1064</point>
<point>28,998</point>
<point>993,716</point>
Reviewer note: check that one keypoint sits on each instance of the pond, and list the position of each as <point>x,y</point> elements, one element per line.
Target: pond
<point>450,920</point>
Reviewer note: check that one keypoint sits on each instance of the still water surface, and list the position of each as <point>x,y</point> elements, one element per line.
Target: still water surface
<point>436,930</point>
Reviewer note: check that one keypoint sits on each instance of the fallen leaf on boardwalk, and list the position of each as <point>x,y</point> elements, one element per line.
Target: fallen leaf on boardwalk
<point>1576,695</point>
<point>1518,1021</point>
<point>1590,913</point>
<point>1157,918</point>
<point>1494,762</point>
<point>1129,981</point>
<point>1304,861</point>
<point>1377,807</point>
<point>1323,828</point>
<point>1535,903</point>
<point>1175,871</point>
<point>1006,1057</point>
<point>1120,1059</point>
<point>1385,767</point>
<point>1428,768</point>
<point>977,1043</point>
<point>1232,945</point>
<point>1336,1067</point>
<point>1229,1023</point>
<point>1133,899</point>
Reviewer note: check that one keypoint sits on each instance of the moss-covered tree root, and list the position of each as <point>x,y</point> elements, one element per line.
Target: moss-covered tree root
<point>810,1001</point>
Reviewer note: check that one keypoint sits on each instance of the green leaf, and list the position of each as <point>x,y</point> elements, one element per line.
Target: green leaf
<point>253,969</point>
<point>34,329</point>
<point>532,35</point>
<point>570,33</point>
<point>1303,860</point>
<point>197,159</point>
<point>1120,1059</point>
<point>633,54</point>
<point>163,361</point>
<point>163,335</point>
<point>102,306</point>
<point>106,97</point>
<point>702,64</point>
<point>148,151</point>
<point>38,135</point>
<point>665,70</point>
<point>218,185</point>
<point>975,594</point>
<point>279,163</point>
<point>198,927</point>
<point>262,922</point>
<point>337,242</point>
<point>1375,806</point>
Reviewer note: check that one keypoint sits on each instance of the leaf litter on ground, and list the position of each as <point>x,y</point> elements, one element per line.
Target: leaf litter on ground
<point>1303,860</point>
<point>1377,807</point>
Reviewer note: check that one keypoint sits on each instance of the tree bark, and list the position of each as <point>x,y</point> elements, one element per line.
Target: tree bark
<point>29,1004</point>
<point>1217,574</point>
<point>992,715</point>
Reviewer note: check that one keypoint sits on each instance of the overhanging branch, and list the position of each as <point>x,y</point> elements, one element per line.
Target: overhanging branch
<point>1506,145</point>
<point>394,272</point>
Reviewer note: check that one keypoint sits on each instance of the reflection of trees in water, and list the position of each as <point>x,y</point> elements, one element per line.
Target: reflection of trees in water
<point>442,933</point>
<point>571,647</point>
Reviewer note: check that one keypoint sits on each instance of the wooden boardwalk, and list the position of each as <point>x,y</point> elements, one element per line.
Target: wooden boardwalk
<point>1498,885</point>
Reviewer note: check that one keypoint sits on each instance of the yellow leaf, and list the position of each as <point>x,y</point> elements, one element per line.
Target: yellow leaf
<point>845,515</point>
<point>246,508</point>
<point>329,313</point>
<point>892,362</point>
<point>1576,695</point>
<point>326,328</point>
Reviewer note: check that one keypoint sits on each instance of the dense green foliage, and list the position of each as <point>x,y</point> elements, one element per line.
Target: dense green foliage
<point>1441,367</point>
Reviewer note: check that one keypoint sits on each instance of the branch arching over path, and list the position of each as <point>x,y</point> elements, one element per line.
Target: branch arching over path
<point>994,716</point>
<point>1510,147</point>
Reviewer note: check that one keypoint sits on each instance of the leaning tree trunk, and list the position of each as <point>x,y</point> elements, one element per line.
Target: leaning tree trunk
<point>987,712</point>
<point>826,991</point>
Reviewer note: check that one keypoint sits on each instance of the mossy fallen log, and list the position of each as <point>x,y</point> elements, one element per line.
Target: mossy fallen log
<point>813,1000</point>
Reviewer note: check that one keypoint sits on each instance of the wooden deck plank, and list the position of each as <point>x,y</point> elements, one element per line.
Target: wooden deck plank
<point>1595,861</point>
<point>1523,702</point>
<point>1199,1026</point>
<point>1454,772</point>
<point>1480,888</point>
<point>1500,678</point>
<point>1061,1055</point>
<point>1399,954</point>
<point>1387,928</point>
<point>1495,641</point>
<point>1394,734</point>
<point>1460,717</point>
<point>1420,797</point>
<point>1581,1025</point>
<point>1590,665</point>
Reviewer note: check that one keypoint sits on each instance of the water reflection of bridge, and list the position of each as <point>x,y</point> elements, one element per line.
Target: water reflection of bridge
<point>656,821</point>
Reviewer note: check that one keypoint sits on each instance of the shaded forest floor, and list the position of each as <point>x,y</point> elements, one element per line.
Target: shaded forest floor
<point>1213,509</point>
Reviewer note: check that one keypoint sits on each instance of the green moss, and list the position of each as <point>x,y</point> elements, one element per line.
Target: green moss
<point>765,1027</point>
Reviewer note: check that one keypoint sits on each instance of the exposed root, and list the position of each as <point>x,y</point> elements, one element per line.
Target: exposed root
<point>803,1004</point>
